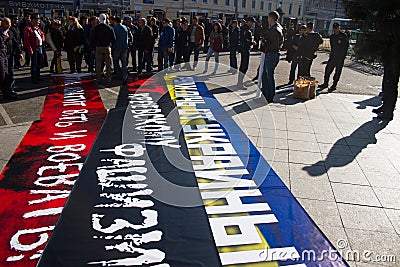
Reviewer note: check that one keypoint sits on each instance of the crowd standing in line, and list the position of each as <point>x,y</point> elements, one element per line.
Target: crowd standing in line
<point>107,43</point>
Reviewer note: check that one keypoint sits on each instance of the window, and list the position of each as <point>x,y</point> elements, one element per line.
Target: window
<point>227,2</point>
<point>215,2</point>
<point>205,1</point>
<point>300,11</point>
<point>262,5</point>
<point>269,6</point>
<point>253,4</point>
<point>244,3</point>
<point>290,8</point>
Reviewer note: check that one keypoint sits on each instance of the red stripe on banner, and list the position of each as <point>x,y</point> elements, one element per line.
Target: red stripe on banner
<point>37,180</point>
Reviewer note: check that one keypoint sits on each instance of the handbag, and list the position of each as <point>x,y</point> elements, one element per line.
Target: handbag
<point>217,45</point>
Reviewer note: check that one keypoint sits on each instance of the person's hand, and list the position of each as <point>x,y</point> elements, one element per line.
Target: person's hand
<point>21,56</point>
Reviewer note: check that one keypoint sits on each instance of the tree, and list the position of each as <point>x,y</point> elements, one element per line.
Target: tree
<point>379,20</point>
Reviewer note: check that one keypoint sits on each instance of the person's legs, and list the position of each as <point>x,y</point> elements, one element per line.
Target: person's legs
<point>216,56</point>
<point>116,56</point>
<point>338,72</point>
<point>124,62</point>
<point>209,54</point>
<point>147,59</point>
<point>133,56</point>
<point>53,62</point>
<point>196,55</point>
<point>11,80</point>
<point>78,61</point>
<point>140,61</point>
<point>328,71</point>
<point>293,66</point>
<point>233,59</point>
<point>390,83</point>
<point>71,61</point>
<point>107,59</point>
<point>99,63</point>
<point>272,60</point>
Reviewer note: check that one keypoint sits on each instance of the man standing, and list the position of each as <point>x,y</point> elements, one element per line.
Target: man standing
<point>145,42</point>
<point>17,36</point>
<point>246,42</point>
<point>196,40</point>
<point>132,42</point>
<point>89,58</point>
<point>293,47</point>
<point>339,45</point>
<point>120,49</point>
<point>33,42</point>
<point>103,37</point>
<point>165,44</point>
<point>307,50</point>
<point>182,39</point>
<point>234,39</point>
<point>273,40</point>
<point>155,30</point>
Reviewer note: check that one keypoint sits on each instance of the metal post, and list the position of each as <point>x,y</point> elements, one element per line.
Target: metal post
<point>336,6</point>
<point>235,2</point>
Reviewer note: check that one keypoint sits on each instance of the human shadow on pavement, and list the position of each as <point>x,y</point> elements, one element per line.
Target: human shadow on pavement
<point>335,158</point>
<point>375,101</point>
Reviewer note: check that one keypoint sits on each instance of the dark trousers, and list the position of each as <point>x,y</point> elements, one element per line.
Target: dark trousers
<point>75,61</point>
<point>27,58</point>
<point>133,52</point>
<point>333,63</point>
<point>390,89</point>
<point>182,54</point>
<point>244,61</point>
<point>145,60</point>
<point>89,59</point>
<point>196,49</point>
<point>233,58</point>
<point>36,64</point>
<point>305,67</point>
<point>10,81</point>
<point>293,67</point>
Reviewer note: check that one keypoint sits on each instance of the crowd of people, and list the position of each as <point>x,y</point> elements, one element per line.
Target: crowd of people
<point>110,42</point>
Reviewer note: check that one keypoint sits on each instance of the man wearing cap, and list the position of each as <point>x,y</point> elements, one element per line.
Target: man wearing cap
<point>272,43</point>
<point>307,50</point>
<point>339,45</point>
<point>197,36</point>
<point>33,42</point>
<point>234,39</point>
<point>165,44</point>
<point>246,42</point>
<point>103,37</point>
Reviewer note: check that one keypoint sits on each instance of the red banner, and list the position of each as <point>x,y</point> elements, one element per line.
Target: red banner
<point>37,180</point>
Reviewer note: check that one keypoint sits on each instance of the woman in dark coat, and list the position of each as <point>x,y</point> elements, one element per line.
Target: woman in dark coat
<point>74,44</point>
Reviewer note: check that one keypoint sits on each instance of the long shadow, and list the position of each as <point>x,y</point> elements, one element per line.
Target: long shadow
<point>358,144</point>
<point>375,101</point>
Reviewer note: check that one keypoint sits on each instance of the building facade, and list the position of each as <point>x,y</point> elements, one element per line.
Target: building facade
<point>321,12</point>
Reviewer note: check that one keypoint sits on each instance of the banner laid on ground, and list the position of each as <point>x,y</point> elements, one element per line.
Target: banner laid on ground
<point>173,181</point>
<point>37,180</point>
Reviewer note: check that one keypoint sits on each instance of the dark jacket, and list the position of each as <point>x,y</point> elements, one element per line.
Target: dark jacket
<point>13,47</point>
<point>234,38</point>
<point>145,39</point>
<point>73,38</point>
<point>57,38</point>
<point>273,38</point>
<point>339,45</point>
<point>103,35</point>
<point>182,38</point>
<point>308,45</point>
<point>167,37</point>
<point>132,38</point>
<point>246,38</point>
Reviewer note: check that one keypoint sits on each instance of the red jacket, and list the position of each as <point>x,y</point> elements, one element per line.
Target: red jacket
<point>30,38</point>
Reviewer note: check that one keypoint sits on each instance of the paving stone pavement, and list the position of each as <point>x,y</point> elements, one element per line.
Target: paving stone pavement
<point>342,165</point>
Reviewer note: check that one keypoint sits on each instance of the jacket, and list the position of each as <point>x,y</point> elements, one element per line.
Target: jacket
<point>199,34</point>
<point>234,38</point>
<point>57,38</point>
<point>122,36</point>
<point>103,35</point>
<point>246,38</point>
<point>309,45</point>
<point>30,44</point>
<point>182,38</point>
<point>167,36</point>
<point>73,38</point>
<point>339,45</point>
<point>145,39</point>
<point>273,38</point>
<point>216,35</point>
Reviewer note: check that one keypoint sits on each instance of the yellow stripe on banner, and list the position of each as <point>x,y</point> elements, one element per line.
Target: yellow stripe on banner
<point>218,202</point>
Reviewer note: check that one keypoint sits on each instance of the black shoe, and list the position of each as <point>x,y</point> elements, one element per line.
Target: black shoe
<point>332,88</point>
<point>384,116</point>
<point>323,86</point>
<point>13,93</point>
<point>10,97</point>
<point>378,110</point>
<point>381,94</point>
<point>51,71</point>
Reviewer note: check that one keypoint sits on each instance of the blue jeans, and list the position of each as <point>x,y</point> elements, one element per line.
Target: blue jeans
<point>209,54</point>
<point>36,64</point>
<point>121,55</point>
<point>163,58</point>
<point>11,80</point>
<point>268,80</point>
<point>233,58</point>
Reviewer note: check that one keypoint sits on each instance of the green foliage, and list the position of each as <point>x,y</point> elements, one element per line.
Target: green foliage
<point>380,22</point>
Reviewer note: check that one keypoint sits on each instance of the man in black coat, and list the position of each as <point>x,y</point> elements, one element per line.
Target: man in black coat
<point>25,22</point>
<point>246,42</point>
<point>234,41</point>
<point>339,45</point>
<point>145,44</point>
<point>307,50</point>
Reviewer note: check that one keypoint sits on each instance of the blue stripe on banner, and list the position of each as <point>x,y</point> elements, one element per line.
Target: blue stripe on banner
<point>294,228</point>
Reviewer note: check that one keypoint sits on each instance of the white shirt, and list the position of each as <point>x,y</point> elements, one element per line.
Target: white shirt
<point>39,40</point>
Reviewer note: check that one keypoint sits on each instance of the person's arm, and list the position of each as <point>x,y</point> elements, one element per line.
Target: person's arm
<point>27,43</point>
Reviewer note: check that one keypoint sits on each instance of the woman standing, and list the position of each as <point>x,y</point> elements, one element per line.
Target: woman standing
<point>216,41</point>
<point>74,43</point>
<point>55,40</point>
